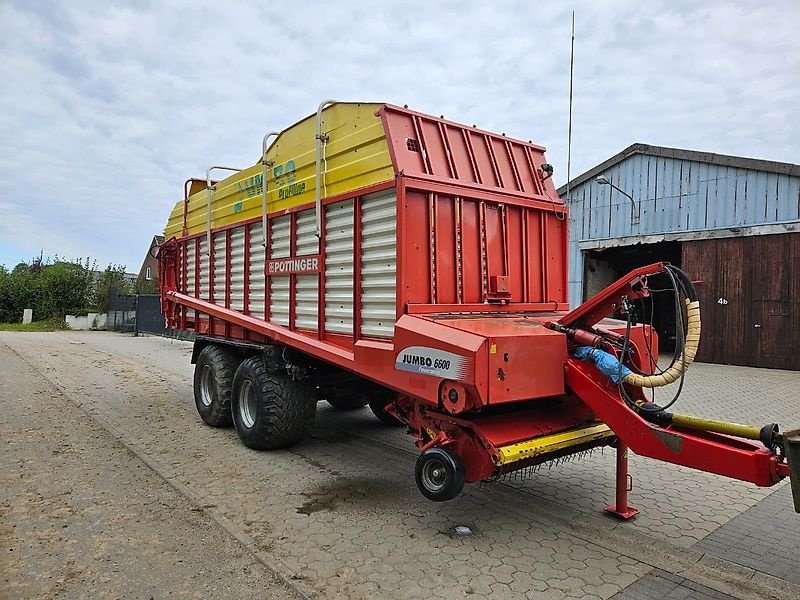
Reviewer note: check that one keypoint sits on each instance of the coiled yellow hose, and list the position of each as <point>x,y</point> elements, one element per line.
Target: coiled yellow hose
<point>683,361</point>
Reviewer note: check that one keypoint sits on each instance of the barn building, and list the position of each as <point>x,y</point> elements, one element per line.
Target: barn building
<point>731,223</point>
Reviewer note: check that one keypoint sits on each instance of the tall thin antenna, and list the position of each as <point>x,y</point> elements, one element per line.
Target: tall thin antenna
<point>569,134</point>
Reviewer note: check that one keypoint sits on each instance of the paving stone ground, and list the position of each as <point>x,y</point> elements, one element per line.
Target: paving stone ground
<point>760,537</point>
<point>340,517</point>
<point>660,585</point>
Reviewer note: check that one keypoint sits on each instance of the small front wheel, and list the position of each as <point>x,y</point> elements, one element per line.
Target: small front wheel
<point>439,474</point>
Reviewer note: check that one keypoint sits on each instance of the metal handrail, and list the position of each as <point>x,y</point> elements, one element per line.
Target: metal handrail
<point>208,205</point>
<point>264,172</point>
<point>320,138</point>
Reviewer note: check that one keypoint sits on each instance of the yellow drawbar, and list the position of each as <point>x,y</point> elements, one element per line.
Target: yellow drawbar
<point>355,156</point>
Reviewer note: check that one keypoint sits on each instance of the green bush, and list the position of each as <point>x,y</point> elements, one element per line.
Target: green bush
<point>57,288</point>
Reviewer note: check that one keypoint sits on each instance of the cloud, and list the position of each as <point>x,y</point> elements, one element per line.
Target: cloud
<point>107,108</point>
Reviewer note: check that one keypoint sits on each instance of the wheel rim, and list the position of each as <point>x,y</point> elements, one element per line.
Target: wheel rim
<point>206,385</point>
<point>247,404</point>
<point>434,475</point>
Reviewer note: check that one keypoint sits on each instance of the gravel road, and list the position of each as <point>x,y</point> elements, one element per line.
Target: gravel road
<point>81,516</point>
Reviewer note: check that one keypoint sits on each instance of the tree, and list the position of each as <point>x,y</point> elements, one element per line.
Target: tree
<point>111,281</point>
<point>63,288</point>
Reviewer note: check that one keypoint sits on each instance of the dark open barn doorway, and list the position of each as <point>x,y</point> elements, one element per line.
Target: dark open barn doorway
<point>603,267</point>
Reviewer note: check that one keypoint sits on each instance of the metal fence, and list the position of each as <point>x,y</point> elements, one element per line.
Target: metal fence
<point>139,313</point>
<point>148,315</point>
<point>121,311</point>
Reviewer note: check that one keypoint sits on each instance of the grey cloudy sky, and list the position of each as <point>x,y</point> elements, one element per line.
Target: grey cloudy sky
<point>107,107</point>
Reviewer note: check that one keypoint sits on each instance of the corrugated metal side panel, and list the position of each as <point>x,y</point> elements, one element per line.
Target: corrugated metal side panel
<point>237,269</point>
<point>280,239</point>
<point>256,289</point>
<point>306,286</point>
<point>682,195</point>
<point>378,264</point>
<point>191,283</point>
<point>220,267</point>
<point>204,272</point>
<point>279,300</point>
<point>306,295</point>
<point>339,241</point>
<point>307,241</point>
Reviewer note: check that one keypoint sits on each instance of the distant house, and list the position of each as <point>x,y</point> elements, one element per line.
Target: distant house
<point>129,278</point>
<point>149,269</point>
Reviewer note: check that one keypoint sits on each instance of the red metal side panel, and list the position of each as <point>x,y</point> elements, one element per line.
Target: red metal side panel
<point>502,159</point>
<point>516,255</point>
<point>486,166</point>
<point>424,145</point>
<point>528,179</point>
<point>415,247</point>
<point>533,230</point>
<point>556,259</point>
<point>444,231</point>
<point>460,154</point>
<point>495,261</point>
<point>453,256</point>
<point>518,347</point>
<point>470,252</point>
<point>434,147</point>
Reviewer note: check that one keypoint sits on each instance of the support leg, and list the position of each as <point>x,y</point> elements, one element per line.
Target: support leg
<point>620,508</point>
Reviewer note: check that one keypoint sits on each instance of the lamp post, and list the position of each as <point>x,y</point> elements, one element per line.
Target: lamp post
<point>634,210</point>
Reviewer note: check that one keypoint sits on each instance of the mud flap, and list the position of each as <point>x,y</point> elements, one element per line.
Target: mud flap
<point>791,445</point>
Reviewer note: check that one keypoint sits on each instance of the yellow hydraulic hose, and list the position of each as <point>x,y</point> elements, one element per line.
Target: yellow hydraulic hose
<point>683,361</point>
<point>743,431</point>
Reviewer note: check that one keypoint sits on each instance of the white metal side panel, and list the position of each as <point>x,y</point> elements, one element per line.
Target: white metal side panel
<point>306,295</point>
<point>256,289</point>
<point>220,267</point>
<point>280,238</point>
<point>237,269</point>
<point>378,264</point>
<point>307,241</point>
<point>191,283</point>
<point>306,286</point>
<point>279,300</point>
<point>339,219</point>
<point>204,272</point>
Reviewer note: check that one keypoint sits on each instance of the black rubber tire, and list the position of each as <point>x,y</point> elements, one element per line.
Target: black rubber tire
<point>377,404</point>
<point>344,399</point>
<point>439,474</point>
<point>282,409</point>
<point>212,397</point>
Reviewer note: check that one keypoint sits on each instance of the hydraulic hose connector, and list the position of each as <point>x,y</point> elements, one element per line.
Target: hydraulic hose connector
<point>683,361</point>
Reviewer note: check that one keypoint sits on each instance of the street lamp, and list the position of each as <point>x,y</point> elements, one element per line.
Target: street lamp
<point>634,211</point>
